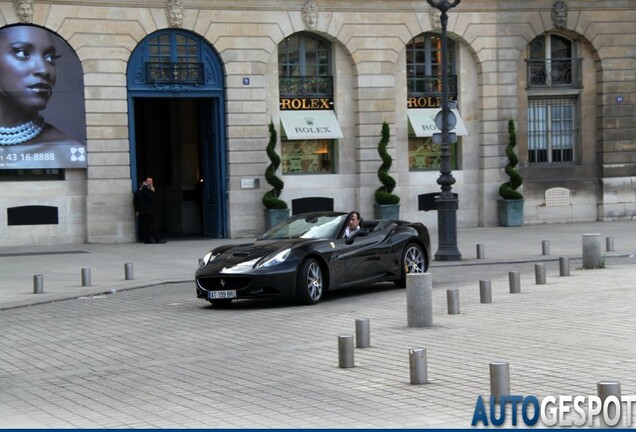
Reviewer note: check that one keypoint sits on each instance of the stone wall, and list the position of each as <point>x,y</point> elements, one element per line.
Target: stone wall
<point>369,40</point>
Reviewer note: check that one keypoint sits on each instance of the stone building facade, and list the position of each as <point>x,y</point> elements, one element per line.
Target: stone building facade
<point>184,90</point>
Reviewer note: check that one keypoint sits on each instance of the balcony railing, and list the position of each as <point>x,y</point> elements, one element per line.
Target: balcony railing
<point>306,86</point>
<point>431,85</point>
<point>174,73</point>
<point>554,73</point>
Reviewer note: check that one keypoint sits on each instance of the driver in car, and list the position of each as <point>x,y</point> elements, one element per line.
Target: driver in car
<point>354,224</point>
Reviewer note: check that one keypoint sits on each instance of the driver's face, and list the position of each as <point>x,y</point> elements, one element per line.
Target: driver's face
<point>354,221</point>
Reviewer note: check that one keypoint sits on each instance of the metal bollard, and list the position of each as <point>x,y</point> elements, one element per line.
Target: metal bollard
<point>606,389</point>
<point>539,273</point>
<point>609,244</point>
<point>564,266</point>
<point>363,334</point>
<point>128,271</point>
<point>419,299</point>
<point>485,291</point>
<point>499,380</point>
<point>86,277</point>
<point>345,351</point>
<point>481,251</point>
<point>418,367</point>
<point>545,247</point>
<point>452,297</point>
<point>38,284</point>
<point>591,251</point>
<point>515,282</point>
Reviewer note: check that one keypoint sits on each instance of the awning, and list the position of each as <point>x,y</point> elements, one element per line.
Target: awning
<point>310,124</point>
<point>423,122</point>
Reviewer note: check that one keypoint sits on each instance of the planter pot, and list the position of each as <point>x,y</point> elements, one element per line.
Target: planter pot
<point>387,211</point>
<point>510,212</point>
<point>275,216</point>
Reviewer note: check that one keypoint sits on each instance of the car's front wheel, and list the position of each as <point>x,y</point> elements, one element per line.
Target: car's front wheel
<point>310,283</point>
<point>413,261</point>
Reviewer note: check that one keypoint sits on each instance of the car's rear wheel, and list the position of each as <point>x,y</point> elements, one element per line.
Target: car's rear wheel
<point>413,261</point>
<point>310,283</point>
<point>221,302</point>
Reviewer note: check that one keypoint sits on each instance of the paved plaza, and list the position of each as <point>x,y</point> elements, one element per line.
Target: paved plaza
<point>143,353</point>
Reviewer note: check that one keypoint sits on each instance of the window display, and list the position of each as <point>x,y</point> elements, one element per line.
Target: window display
<point>307,156</point>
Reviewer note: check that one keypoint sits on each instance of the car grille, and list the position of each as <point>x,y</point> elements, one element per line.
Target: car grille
<point>224,283</point>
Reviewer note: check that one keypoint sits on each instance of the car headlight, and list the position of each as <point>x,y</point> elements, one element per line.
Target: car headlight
<point>210,256</point>
<point>274,259</point>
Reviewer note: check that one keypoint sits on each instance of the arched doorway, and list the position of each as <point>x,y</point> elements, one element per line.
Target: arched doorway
<point>176,106</point>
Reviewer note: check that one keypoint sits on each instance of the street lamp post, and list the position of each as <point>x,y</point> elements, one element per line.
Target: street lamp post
<point>446,202</point>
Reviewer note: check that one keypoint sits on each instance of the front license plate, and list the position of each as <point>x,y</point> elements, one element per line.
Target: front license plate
<point>228,294</point>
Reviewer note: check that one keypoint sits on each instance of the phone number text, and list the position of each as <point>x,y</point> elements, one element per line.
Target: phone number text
<point>13,157</point>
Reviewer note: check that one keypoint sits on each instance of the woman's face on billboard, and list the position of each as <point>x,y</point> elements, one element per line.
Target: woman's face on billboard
<point>27,67</point>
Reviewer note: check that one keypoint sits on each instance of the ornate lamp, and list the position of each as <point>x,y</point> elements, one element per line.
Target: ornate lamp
<point>446,202</point>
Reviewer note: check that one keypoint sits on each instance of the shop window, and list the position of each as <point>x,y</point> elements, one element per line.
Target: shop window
<point>424,92</point>
<point>552,132</point>
<point>311,156</point>
<point>426,156</point>
<point>310,127</point>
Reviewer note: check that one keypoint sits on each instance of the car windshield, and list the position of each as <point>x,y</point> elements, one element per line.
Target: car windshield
<point>308,227</point>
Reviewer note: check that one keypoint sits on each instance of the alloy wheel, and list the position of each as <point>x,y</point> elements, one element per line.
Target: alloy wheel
<point>314,281</point>
<point>414,260</point>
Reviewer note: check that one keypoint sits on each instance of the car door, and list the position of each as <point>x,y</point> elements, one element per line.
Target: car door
<point>364,258</point>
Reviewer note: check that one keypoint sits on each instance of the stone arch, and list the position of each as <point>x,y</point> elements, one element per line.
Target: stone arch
<point>180,69</point>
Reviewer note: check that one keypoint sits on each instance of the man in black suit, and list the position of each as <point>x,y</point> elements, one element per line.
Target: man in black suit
<point>146,211</point>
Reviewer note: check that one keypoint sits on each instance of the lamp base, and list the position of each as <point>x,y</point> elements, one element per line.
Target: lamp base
<point>447,230</point>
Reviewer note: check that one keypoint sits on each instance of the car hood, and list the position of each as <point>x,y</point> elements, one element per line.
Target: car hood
<point>239,256</point>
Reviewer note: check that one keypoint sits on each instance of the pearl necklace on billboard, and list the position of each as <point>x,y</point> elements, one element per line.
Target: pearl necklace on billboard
<point>21,133</point>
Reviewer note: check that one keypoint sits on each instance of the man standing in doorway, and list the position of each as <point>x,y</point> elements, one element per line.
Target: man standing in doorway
<point>146,210</point>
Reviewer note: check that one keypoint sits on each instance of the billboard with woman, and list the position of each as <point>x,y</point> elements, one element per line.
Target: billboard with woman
<point>42,117</point>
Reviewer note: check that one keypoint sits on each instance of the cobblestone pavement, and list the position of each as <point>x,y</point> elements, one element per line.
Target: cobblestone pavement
<point>157,357</point>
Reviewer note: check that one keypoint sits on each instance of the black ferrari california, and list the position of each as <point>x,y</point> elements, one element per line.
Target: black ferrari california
<point>307,255</point>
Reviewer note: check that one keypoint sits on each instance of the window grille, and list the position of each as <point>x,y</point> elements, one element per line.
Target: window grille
<point>552,63</point>
<point>174,58</point>
<point>552,131</point>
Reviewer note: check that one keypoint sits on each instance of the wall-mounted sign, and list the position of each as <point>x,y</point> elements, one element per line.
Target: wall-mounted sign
<point>250,183</point>
<point>423,122</point>
<point>318,124</point>
<point>425,102</point>
<point>306,104</point>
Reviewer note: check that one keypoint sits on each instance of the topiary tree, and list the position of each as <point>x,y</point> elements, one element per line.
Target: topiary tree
<point>508,190</point>
<point>384,195</point>
<point>270,198</point>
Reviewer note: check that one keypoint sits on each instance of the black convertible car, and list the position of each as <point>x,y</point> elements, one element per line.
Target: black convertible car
<point>306,255</point>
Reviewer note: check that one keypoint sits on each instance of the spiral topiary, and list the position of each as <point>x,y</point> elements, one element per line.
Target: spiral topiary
<point>270,199</point>
<point>508,190</point>
<point>384,195</point>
